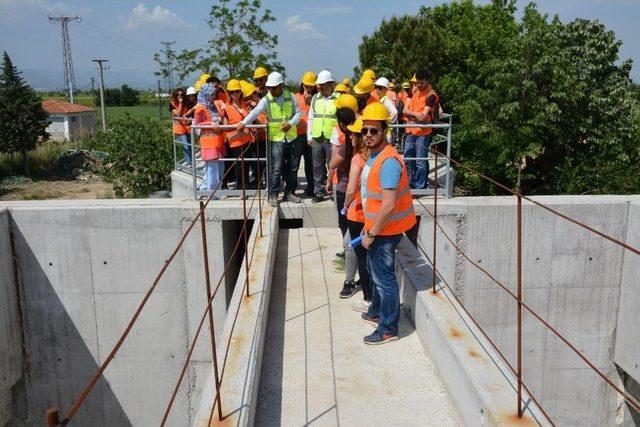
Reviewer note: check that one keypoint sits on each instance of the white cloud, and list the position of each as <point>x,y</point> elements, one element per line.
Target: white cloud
<point>304,30</point>
<point>158,16</point>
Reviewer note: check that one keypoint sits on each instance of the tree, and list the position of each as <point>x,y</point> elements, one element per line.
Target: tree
<point>239,42</point>
<point>123,96</point>
<point>166,59</point>
<point>23,121</point>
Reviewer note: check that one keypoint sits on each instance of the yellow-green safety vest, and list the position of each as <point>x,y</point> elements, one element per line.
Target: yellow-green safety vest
<point>277,115</point>
<point>324,116</point>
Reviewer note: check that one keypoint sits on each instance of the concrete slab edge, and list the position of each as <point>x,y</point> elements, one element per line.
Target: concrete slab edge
<point>480,384</point>
<point>239,388</point>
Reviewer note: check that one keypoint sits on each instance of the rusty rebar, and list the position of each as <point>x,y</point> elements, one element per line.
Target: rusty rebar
<point>435,216</point>
<point>207,278</point>
<point>258,185</point>
<point>51,417</point>
<point>244,213</point>
<point>519,262</point>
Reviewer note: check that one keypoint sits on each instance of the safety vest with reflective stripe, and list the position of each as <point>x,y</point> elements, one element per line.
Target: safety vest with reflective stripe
<point>324,115</point>
<point>277,115</point>
<point>403,216</point>
<point>235,115</point>
<point>304,112</point>
<point>208,138</point>
<point>417,103</point>
<point>355,211</point>
<point>180,127</point>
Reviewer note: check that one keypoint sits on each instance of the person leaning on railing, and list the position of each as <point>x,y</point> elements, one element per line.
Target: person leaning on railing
<point>180,106</point>
<point>239,140</point>
<point>388,213</point>
<point>283,114</point>
<point>212,138</point>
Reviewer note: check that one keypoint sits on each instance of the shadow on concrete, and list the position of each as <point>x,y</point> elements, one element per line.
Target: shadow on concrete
<point>61,362</point>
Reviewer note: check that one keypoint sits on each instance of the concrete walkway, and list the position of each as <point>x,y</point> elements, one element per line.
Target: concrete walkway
<point>316,369</point>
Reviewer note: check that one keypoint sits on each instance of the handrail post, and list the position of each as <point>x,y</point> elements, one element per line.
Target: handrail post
<point>51,417</point>
<point>519,238</point>
<point>175,150</point>
<point>245,228</point>
<point>448,162</point>
<point>193,165</point>
<point>258,179</point>
<point>207,278</point>
<point>435,219</point>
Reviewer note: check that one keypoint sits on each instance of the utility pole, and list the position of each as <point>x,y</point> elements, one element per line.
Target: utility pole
<point>102,106</point>
<point>93,91</point>
<point>69,78</point>
<point>168,55</point>
<point>159,104</point>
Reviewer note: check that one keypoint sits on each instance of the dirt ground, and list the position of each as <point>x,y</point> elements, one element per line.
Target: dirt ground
<point>93,188</point>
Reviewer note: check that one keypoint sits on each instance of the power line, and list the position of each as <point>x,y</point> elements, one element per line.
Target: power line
<point>67,60</point>
<point>116,37</point>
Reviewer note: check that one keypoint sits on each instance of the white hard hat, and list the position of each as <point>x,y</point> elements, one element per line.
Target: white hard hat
<point>324,76</point>
<point>274,79</point>
<point>191,90</point>
<point>382,81</point>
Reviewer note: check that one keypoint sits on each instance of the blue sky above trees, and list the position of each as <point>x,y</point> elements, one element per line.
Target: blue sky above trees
<point>311,37</point>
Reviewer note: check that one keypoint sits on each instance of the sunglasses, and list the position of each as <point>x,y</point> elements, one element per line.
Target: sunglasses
<point>368,130</point>
<point>180,94</point>
<point>380,87</point>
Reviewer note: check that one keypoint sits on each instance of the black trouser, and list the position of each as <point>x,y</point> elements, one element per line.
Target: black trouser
<point>236,152</point>
<point>322,151</point>
<point>355,228</point>
<point>307,153</point>
<point>343,222</point>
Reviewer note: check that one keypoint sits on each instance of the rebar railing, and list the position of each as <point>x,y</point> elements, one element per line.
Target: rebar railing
<point>517,296</point>
<point>52,414</point>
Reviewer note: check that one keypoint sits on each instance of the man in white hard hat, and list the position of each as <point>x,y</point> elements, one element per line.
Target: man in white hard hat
<point>320,123</point>
<point>382,87</point>
<point>283,115</point>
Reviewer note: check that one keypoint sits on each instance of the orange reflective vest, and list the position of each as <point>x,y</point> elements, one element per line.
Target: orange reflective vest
<point>304,109</point>
<point>234,115</point>
<point>417,104</point>
<point>180,127</point>
<point>355,211</point>
<point>208,138</point>
<point>341,138</point>
<point>403,216</point>
<point>392,96</point>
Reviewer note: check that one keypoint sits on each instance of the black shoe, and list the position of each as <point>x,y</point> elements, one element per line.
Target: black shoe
<point>340,254</point>
<point>348,290</point>
<point>317,199</point>
<point>291,198</point>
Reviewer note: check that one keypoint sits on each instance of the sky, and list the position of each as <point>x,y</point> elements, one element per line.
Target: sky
<point>128,33</point>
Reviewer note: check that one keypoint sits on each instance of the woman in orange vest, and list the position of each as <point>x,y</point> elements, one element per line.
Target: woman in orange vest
<point>388,213</point>
<point>181,130</point>
<point>212,138</point>
<point>259,136</point>
<point>355,212</point>
<point>239,141</point>
<point>303,97</point>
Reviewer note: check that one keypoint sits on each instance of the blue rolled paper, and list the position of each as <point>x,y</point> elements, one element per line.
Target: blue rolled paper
<point>355,242</point>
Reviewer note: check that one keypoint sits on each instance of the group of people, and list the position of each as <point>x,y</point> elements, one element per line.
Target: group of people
<point>343,134</point>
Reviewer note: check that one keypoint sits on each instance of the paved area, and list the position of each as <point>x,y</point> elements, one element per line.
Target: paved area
<point>316,369</point>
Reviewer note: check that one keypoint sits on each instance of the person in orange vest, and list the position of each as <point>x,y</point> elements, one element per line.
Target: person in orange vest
<point>259,136</point>
<point>181,131</point>
<point>388,213</point>
<point>420,109</point>
<point>303,96</point>
<point>260,79</point>
<point>355,212</point>
<point>239,141</point>
<point>211,139</point>
<point>363,90</point>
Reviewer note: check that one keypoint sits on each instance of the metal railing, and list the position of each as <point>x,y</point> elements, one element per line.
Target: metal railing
<point>197,166</point>
<point>517,296</point>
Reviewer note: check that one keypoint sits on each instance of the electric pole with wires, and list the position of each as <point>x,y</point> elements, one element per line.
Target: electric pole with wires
<point>69,78</point>
<point>102,106</point>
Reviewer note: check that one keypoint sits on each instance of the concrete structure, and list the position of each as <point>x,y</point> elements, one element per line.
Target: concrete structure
<point>84,266</point>
<point>68,121</point>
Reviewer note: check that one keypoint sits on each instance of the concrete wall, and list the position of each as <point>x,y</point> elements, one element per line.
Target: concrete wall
<point>10,347</point>
<point>571,277</point>
<point>84,269</point>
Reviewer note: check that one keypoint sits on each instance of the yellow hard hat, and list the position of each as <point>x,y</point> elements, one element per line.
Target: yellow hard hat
<point>392,85</point>
<point>413,79</point>
<point>247,88</point>
<point>356,127</point>
<point>260,72</point>
<point>365,85</point>
<point>341,88</point>
<point>347,101</point>
<point>309,78</point>
<point>375,111</point>
<point>197,85</point>
<point>233,84</point>
<point>346,81</point>
<point>406,85</point>
<point>203,78</point>
<point>369,74</point>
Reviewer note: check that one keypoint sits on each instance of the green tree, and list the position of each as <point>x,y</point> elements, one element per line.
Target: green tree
<point>123,96</point>
<point>23,121</point>
<point>239,42</point>
<point>140,156</point>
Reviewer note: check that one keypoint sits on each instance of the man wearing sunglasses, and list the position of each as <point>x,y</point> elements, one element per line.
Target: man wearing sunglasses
<point>260,79</point>
<point>388,212</point>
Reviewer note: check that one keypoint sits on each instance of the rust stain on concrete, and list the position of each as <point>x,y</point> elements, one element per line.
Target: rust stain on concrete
<point>475,355</point>
<point>455,333</point>
<point>514,420</point>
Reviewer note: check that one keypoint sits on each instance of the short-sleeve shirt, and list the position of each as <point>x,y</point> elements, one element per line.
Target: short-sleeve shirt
<point>390,173</point>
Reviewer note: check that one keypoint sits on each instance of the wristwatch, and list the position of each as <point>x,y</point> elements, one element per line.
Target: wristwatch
<point>371,236</point>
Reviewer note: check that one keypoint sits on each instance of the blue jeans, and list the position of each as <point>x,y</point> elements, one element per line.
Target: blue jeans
<point>186,146</point>
<point>213,173</point>
<point>385,295</point>
<point>285,160</point>
<point>417,170</point>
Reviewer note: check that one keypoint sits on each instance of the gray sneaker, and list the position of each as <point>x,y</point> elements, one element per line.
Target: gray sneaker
<point>273,201</point>
<point>291,198</point>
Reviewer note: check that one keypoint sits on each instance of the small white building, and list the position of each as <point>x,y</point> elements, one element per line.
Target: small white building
<point>68,121</point>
